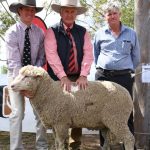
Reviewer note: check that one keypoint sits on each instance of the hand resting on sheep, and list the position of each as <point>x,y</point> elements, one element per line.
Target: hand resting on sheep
<point>103,105</point>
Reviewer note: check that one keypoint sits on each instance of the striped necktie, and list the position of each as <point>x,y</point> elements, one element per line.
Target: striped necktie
<point>71,65</point>
<point>27,49</point>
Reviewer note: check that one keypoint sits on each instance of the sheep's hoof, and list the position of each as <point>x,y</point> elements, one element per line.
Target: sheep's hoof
<point>75,145</point>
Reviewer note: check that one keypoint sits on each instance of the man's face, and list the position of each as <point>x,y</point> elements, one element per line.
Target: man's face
<point>27,14</point>
<point>68,15</point>
<point>113,17</point>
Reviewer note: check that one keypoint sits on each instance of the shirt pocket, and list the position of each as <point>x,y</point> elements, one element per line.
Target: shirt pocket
<point>126,46</point>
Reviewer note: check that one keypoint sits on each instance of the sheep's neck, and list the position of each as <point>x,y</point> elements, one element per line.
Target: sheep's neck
<point>43,85</point>
<point>45,88</point>
<point>45,96</point>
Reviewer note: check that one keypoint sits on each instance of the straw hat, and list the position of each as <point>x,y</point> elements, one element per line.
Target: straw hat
<point>69,3</point>
<point>29,3</point>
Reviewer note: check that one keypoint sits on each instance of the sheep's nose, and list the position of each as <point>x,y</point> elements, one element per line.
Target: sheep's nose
<point>12,86</point>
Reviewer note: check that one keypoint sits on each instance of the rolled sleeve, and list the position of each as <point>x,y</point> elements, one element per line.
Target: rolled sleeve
<point>87,55</point>
<point>52,54</point>
<point>12,53</point>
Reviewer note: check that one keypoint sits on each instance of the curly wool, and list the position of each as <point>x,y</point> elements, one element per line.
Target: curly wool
<point>103,105</point>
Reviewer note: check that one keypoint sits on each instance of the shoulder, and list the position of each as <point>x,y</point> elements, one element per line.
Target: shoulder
<point>79,27</point>
<point>37,29</point>
<point>12,28</point>
<point>128,29</point>
<point>55,26</point>
<point>12,31</point>
<point>100,33</point>
<point>49,33</point>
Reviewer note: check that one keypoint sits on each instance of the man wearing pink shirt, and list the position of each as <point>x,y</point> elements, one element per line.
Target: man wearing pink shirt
<point>58,46</point>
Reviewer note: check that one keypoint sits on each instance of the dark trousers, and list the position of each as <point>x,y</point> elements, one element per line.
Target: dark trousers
<point>124,80</point>
<point>1,100</point>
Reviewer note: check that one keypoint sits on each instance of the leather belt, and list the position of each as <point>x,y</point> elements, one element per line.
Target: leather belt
<point>114,72</point>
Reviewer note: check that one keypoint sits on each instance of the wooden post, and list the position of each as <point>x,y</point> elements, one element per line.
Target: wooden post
<point>142,90</point>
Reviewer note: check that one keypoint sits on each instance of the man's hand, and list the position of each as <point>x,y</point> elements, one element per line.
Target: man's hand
<point>82,82</point>
<point>66,83</point>
<point>28,94</point>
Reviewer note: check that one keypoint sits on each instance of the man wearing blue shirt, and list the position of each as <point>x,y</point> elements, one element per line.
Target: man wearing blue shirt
<point>116,52</point>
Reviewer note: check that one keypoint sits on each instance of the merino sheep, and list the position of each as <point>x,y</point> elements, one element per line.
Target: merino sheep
<point>103,105</point>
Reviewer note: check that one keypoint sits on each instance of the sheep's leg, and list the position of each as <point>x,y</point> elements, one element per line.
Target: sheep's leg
<point>121,133</point>
<point>61,133</point>
<point>106,145</point>
<point>128,139</point>
<point>54,134</point>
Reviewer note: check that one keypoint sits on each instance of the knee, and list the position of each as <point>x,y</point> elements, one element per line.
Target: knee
<point>17,114</point>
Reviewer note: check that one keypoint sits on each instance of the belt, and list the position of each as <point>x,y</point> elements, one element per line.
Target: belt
<point>114,72</point>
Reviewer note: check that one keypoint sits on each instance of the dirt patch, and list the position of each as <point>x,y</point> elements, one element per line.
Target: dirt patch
<point>89,141</point>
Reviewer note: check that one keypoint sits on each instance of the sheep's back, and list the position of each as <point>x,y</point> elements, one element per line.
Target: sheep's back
<point>82,107</point>
<point>101,98</point>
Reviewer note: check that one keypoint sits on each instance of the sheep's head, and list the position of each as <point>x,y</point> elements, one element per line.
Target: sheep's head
<point>28,79</point>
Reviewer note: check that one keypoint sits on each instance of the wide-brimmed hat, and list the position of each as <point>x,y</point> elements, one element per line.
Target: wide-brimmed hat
<point>29,3</point>
<point>69,3</point>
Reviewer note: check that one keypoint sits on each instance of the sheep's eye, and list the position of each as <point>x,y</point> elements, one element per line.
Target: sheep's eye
<point>24,77</point>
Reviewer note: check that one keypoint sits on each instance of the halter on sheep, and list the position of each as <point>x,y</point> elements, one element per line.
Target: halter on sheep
<point>103,105</point>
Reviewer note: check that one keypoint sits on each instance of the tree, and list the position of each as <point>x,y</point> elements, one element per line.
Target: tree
<point>96,14</point>
<point>6,22</point>
<point>7,18</point>
<point>142,94</point>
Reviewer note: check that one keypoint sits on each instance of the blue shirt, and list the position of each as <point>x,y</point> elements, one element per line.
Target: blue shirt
<point>116,53</point>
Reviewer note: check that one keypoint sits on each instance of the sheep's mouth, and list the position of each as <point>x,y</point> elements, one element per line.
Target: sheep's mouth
<point>15,89</point>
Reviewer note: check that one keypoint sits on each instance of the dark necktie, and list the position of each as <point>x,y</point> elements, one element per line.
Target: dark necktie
<point>71,65</point>
<point>27,49</point>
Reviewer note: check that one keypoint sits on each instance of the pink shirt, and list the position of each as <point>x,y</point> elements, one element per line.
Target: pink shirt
<point>54,60</point>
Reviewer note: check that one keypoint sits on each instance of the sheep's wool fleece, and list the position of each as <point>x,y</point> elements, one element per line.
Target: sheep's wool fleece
<point>102,105</point>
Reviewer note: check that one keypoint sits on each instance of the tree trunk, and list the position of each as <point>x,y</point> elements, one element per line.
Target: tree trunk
<point>142,90</point>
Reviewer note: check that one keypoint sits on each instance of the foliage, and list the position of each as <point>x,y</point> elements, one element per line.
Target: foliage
<point>7,18</point>
<point>128,13</point>
<point>5,22</point>
<point>93,18</point>
<point>96,13</point>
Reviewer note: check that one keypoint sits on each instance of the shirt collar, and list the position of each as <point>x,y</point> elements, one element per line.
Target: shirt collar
<point>24,26</point>
<point>65,27</point>
<point>107,29</point>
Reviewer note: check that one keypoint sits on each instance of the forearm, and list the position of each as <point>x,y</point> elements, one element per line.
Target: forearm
<point>87,57</point>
